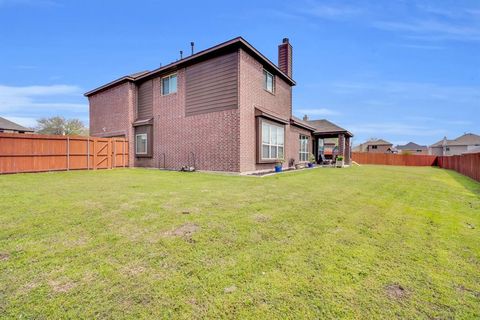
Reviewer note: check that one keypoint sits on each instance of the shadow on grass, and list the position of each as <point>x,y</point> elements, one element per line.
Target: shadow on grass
<point>467,182</point>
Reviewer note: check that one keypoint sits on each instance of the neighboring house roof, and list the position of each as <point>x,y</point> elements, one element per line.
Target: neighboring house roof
<point>197,57</point>
<point>377,142</point>
<point>325,126</point>
<point>468,139</point>
<point>9,125</point>
<point>411,146</point>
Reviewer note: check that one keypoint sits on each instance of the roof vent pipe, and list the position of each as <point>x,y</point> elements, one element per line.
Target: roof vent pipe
<point>192,45</point>
<point>181,54</point>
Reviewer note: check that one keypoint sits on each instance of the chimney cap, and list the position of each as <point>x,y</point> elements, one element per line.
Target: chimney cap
<point>285,40</point>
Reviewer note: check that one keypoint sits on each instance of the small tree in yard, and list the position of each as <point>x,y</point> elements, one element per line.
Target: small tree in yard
<point>61,126</point>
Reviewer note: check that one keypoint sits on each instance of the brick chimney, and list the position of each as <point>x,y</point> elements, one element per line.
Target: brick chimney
<point>285,57</point>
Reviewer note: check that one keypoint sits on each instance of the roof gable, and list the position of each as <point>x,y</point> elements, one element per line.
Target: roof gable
<point>9,125</point>
<point>238,42</point>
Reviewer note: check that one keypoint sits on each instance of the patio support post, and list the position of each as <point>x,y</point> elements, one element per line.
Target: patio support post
<point>341,145</point>
<point>348,151</point>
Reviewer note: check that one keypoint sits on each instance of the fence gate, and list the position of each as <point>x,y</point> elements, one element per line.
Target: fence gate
<point>36,153</point>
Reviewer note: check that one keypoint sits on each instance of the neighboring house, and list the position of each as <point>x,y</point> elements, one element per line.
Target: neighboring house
<point>7,126</point>
<point>375,146</point>
<point>473,150</point>
<point>460,145</point>
<point>412,148</point>
<point>226,108</point>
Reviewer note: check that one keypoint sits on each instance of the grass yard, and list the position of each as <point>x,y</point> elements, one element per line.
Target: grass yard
<point>362,242</point>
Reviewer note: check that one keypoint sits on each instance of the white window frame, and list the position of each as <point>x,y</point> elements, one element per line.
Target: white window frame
<point>276,141</point>
<point>303,152</point>
<point>266,74</point>
<point>136,143</point>
<point>169,87</point>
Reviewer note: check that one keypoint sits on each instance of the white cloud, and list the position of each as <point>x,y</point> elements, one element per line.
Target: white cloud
<point>330,11</point>
<point>13,99</point>
<point>432,30</point>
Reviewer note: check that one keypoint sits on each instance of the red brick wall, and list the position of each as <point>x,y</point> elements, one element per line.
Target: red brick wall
<point>109,111</point>
<point>212,137</point>
<point>113,111</point>
<point>219,141</point>
<point>253,95</point>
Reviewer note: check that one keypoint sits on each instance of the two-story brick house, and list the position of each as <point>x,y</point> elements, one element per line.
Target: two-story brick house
<point>227,108</point>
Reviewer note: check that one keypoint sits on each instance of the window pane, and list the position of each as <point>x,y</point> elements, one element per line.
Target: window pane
<point>173,84</point>
<point>141,143</point>
<point>265,152</point>
<point>273,152</point>
<point>273,134</point>
<point>280,152</point>
<point>165,86</point>
<point>265,133</point>
<point>280,136</point>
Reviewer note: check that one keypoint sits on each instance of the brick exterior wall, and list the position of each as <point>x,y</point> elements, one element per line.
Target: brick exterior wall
<point>217,141</point>
<point>211,140</point>
<point>112,113</point>
<point>253,95</point>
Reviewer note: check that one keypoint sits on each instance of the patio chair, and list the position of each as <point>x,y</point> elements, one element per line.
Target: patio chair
<point>324,161</point>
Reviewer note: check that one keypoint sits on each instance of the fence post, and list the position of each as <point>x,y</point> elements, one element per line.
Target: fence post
<point>94,154</point>
<point>123,153</point>
<point>68,153</point>
<point>88,153</point>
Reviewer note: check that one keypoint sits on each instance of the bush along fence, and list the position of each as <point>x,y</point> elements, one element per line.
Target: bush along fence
<point>37,153</point>
<point>466,164</point>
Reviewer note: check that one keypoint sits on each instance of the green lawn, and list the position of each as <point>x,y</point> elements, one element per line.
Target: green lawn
<point>362,242</point>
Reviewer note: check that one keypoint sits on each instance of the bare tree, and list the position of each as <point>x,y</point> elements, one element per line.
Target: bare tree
<point>61,126</point>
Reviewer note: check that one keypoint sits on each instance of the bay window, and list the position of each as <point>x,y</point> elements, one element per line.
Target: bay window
<point>272,142</point>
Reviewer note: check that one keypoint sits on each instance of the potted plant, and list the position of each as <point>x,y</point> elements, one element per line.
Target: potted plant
<point>311,160</point>
<point>278,165</point>
<point>339,162</point>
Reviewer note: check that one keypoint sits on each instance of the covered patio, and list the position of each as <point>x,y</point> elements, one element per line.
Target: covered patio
<point>330,141</point>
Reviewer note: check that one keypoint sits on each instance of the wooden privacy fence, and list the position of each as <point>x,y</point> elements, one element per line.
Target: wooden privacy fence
<point>466,164</point>
<point>394,159</point>
<point>36,153</point>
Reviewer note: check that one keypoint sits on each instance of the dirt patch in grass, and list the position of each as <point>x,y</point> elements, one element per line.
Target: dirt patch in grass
<point>185,231</point>
<point>261,218</point>
<point>134,270</point>
<point>464,289</point>
<point>61,285</point>
<point>4,256</point>
<point>396,291</point>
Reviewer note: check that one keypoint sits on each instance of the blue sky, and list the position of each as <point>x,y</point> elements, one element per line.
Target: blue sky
<point>398,70</point>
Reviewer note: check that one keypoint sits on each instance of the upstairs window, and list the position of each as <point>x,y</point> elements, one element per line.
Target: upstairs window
<point>303,156</point>
<point>272,141</point>
<point>268,81</point>
<point>374,147</point>
<point>169,84</point>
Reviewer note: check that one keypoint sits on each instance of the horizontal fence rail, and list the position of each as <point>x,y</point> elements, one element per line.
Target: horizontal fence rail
<point>37,153</point>
<point>394,159</point>
<point>466,164</point>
